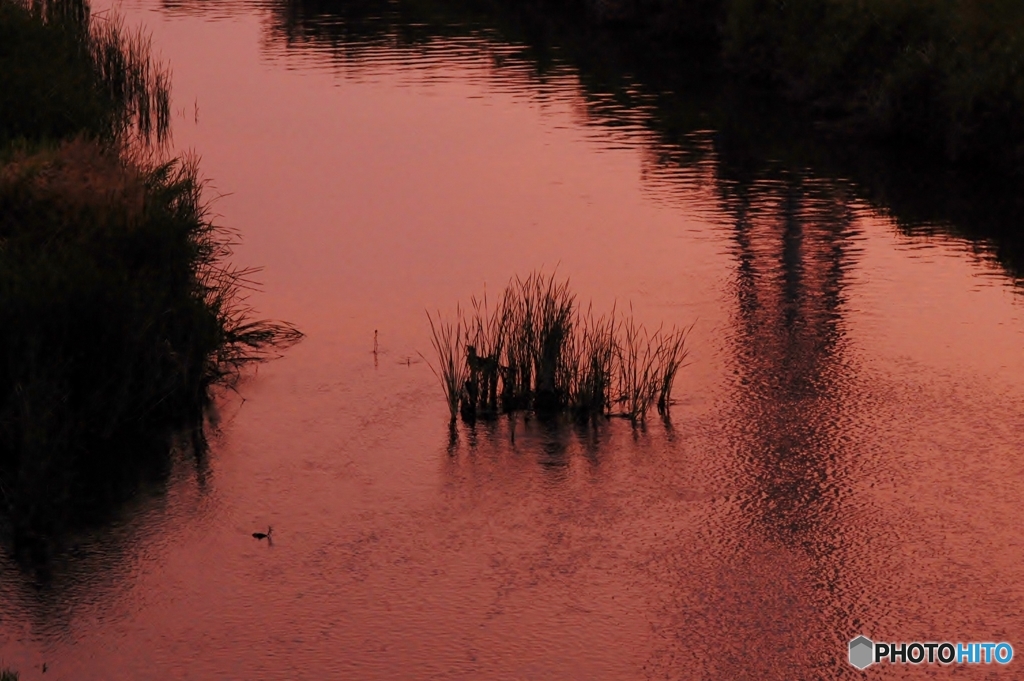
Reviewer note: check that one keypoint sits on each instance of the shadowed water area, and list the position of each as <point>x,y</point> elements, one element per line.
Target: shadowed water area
<point>844,457</point>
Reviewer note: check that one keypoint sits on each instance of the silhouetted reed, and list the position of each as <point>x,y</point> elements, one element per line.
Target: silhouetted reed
<point>535,351</point>
<point>593,354</point>
<point>638,382</point>
<point>448,340</point>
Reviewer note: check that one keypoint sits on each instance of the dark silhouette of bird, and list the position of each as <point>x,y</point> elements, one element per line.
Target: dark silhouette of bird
<point>261,535</point>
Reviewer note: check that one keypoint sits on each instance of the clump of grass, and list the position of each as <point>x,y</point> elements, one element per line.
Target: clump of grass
<point>593,355</point>
<point>7,674</point>
<point>64,73</point>
<point>118,314</point>
<point>536,352</point>
<point>673,352</point>
<point>447,338</point>
<point>542,320</point>
<point>637,376</point>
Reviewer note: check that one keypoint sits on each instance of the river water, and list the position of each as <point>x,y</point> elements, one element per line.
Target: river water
<point>845,457</point>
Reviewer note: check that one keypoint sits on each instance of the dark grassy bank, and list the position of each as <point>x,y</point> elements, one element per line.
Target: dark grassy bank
<point>64,73</point>
<point>118,310</point>
<point>117,315</point>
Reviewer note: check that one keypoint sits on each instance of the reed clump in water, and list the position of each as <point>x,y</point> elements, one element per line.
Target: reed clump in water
<point>447,338</point>
<point>537,351</point>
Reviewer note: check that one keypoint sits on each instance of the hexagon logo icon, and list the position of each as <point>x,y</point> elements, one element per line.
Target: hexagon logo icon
<point>861,652</point>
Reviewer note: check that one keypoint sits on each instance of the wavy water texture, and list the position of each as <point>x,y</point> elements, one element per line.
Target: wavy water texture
<point>843,457</point>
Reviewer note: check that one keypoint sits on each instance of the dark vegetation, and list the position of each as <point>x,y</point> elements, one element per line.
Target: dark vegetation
<point>942,76</point>
<point>65,74</point>
<point>118,311</point>
<point>947,74</point>
<point>538,351</point>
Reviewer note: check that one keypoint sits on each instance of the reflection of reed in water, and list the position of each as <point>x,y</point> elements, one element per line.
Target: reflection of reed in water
<point>537,351</point>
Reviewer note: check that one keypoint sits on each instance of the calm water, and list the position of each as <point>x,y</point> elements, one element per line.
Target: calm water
<point>846,456</point>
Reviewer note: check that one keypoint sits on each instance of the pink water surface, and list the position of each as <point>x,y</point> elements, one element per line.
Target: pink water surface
<point>845,458</point>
